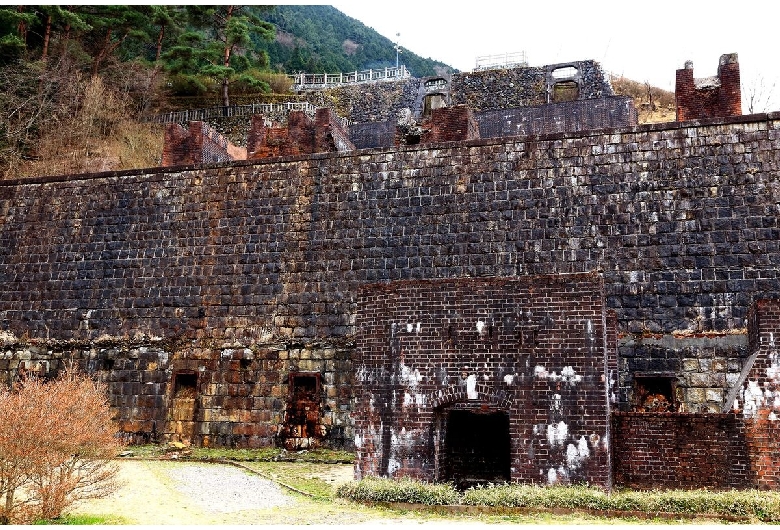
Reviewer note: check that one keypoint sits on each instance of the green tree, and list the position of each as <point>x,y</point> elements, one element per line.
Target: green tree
<point>221,46</point>
<point>14,25</point>
<point>110,26</point>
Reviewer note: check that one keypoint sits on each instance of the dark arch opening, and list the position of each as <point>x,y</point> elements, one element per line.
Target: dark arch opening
<point>475,446</point>
<point>566,91</point>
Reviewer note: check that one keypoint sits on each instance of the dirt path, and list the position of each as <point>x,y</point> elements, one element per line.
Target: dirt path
<point>162,493</point>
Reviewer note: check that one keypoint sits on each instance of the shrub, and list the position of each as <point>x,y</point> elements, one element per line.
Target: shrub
<point>758,505</point>
<point>57,440</point>
<point>402,490</point>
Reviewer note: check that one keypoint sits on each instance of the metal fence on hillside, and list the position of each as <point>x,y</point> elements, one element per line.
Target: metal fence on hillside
<point>184,116</point>
<point>503,60</point>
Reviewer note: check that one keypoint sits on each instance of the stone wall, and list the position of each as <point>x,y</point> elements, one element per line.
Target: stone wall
<point>679,219</point>
<point>368,102</point>
<point>235,393</point>
<point>524,86</point>
<point>570,116</point>
<point>436,358</point>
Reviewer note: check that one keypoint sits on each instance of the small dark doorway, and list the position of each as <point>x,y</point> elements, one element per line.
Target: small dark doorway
<point>302,427</point>
<point>475,447</point>
<point>654,392</point>
<point>184,405</point>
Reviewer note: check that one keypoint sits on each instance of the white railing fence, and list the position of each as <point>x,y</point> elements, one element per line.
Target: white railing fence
<point>391,73</point>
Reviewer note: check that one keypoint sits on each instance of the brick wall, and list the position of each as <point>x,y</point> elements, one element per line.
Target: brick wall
<point>680,451</point>
<point>300,136</point>
<point>450,124</point>
<point>533,348</point>
<point>759,396</point>
<point>731,450</point>
<point>709,97</point>
<point>200,144</point>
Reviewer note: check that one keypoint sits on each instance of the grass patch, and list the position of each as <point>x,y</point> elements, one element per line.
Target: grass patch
<point>316,479</point>
<point>752,505</point>
<point>265,454</point>
<point>83,520</point>
<point>403,490</point>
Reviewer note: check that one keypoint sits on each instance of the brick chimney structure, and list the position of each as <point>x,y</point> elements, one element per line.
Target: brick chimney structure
<point>445,124</point>
<point>198,144</point>
<point>709,97</point>
<point>301,136</point>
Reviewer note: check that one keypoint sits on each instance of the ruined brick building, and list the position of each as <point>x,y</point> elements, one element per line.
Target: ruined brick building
<point>515,283</point>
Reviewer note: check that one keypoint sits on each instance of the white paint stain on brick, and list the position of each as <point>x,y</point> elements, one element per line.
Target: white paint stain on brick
<point>567,375</point>
<point>773,370</point>
<point>557,434</point>
<point>509,378</point>
<point>753,397</point>
<point>576,455</point>
<point>471,387</point>
<point>556,403</point>
<point>410,378</point>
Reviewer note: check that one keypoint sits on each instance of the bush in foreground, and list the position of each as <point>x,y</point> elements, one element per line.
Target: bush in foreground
<point>403,490</point>
<point>759,505</point>
<point>57,440</point>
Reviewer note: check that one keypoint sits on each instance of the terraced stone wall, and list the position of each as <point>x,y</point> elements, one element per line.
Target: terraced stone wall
<point>681,221</point>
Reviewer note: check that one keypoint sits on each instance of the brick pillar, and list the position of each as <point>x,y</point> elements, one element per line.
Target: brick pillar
<point>450,124</point>
<point>684,91</point>
<point>256,138</point>
<point>177,146</point>
<point>301,131</point>
<point>730,96</point>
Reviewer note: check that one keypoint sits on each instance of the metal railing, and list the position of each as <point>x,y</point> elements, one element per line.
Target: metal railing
<point>392,73</point>
<point>504,60</point>
<point>183,116</point>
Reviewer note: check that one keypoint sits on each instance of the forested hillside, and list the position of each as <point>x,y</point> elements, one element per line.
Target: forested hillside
<point>322,39</point>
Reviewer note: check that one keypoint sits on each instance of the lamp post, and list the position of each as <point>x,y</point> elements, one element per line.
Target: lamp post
<point>397,49</point>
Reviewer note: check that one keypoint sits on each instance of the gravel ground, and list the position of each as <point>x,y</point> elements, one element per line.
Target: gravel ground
<point>227,489</point>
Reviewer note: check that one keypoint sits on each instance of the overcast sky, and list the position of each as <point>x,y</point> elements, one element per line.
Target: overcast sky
<point>644,41</point>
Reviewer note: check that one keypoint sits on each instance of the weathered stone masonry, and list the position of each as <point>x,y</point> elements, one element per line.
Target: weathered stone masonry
<point>205,288</point>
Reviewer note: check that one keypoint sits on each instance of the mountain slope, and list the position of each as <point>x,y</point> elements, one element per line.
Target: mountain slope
<point>318,38</point>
